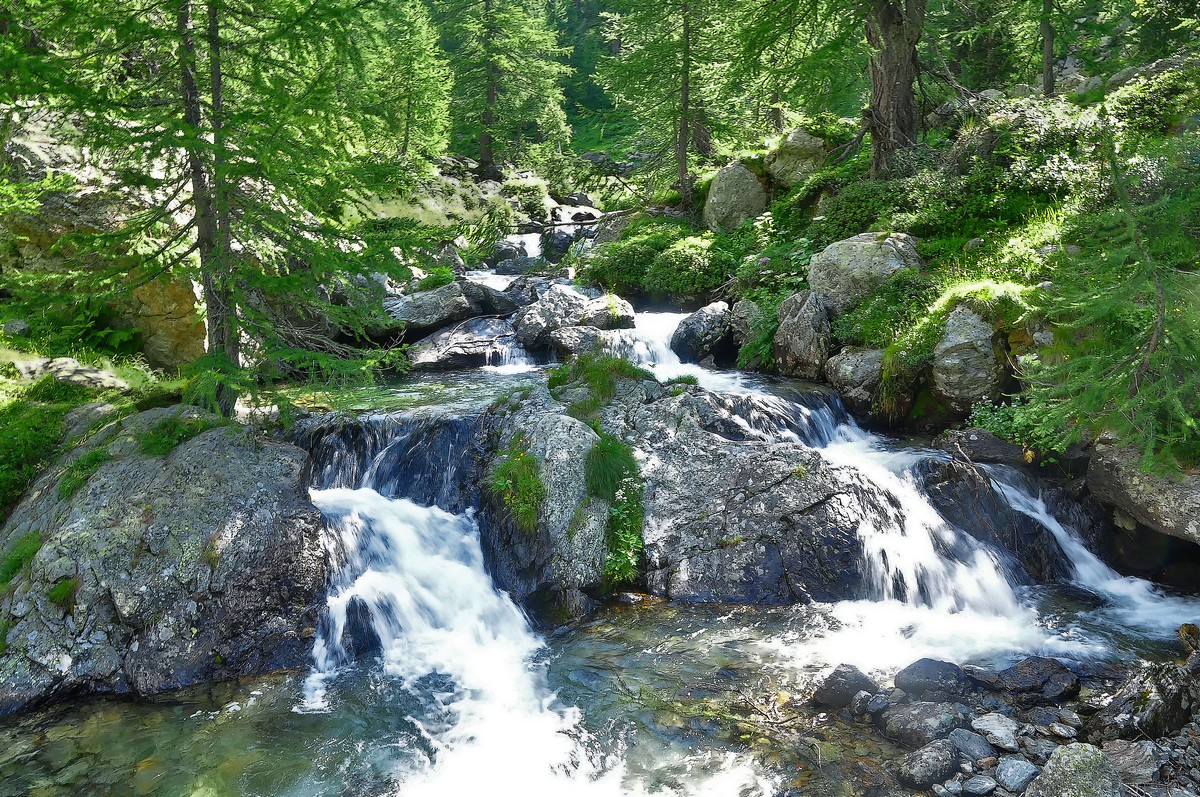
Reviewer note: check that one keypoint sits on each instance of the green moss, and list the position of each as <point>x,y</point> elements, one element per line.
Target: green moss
<point>211,554</point>
<point>19,555</point>
<point>81,470</point>
<point>62,594</point>
<point>516,477</point>
<point>163,437</point>
<point>800,471</point>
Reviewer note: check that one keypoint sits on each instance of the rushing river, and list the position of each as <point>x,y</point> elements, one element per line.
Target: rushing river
<point>458,695</point>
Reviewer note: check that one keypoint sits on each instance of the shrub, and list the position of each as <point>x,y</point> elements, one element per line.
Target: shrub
<point>782,267</point>
<point>686,269</point>
<point>18,557</point>
<point>621,266</point>
<point>854,209</point>
<point>81,470</point>
<point>163,437</point>
<point>759,349</point>
<point>884,315</point>
<point>436,278</point>
<point>517,478</point>
<point>62,594</point>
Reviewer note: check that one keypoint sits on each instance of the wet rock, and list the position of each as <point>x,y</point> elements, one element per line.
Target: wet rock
<point>607,312</point>
<point>1038,749</point>
<point>967,368</point>
<point>916,724</point>
<point>525,290</point>
<point>556,242</point>
<point>1136,762</point>
<point>856,374</point>
<point>933,763</point>
<point>979,786</point>
<point>487,300</point>
<point>1155,702</point>
<point>930,675</point>
<point>202,565</point>
<point>1014,773</point>
<point>805,337</point>
<point>979,445</point>
<point>703,334</point>
<point>1062,731</point>
<point>569,341</point>
<point>1168,504</point>
<point>795,158</point>
<point>999,730</point>
<point>1039,680</point>
<point>470,344</point>
<point>429,310</point>
<point>507,250</point>
<point>972,746</point>
<point>518,266</point>
<point>742,319</point>
<point>1077,770</point>
<point>841,686</point>
<point>860,703</point>
<point>560,306</point>
<point>848,271</point>
<point>735,196</point>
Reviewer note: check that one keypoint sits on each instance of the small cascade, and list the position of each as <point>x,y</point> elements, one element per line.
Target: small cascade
<point>491,279</point>
<point>1132,602</point>
<point>506,356</point>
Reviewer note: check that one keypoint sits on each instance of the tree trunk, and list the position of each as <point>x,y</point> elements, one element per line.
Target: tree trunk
<point>1047,26</point>
<point>487,141</point>
<point>216,309</point>
<point>893,29</point>
<point>776,112</point>
<point>682,139</point>
<point>219,289</point>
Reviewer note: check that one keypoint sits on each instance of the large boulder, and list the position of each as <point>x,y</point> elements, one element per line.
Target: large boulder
<point>703,334</point>
<point>967,366</point>
<point>1077,770</point>
<point>169,323</point>
<point>470,344</point>
<point>70,370</point>
<point>805,337</point>
<point>856,374</point>
<point>979,445</point>
<point>735,196</point>
<point>517,266</point>
<point>850,270</point>
<point>1156,701</point>
<point>569,341</point>
<point>607,312</point>
<point>556,242</point>
<point>160,572</point>
<point>931,675</point>
<point>1167,504</point>
<point>1038,680</point>
<point>559,306</point>
<point>795,158</point>
<point>428,310</point>
<point>742,318</point>
<point>487,300</point>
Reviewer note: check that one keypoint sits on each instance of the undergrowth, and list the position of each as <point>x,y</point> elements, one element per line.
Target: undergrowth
<point>163,437</point>
<point>81,470</point>
<point>516,478</point>
<point>20,553</point>
<point>613,475</point>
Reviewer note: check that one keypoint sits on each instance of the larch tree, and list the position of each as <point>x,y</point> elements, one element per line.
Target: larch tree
<point>240,127</point>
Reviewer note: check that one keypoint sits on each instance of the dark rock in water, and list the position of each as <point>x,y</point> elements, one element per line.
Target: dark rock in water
<point>526,289</point>
<point>966,497</point>
<point>1015,773</point>
<point>998,730</point>
<point>1037,748</point>
<point>1038,680</point>
<point>982,676</point>
<point>930,675</point>
<point>916,724</point>
<point>359,637</point>
<point>1155,702</point>
<point>432,309</point>
<point>933,763</point>
<point>705,333</point>
<point>507,250</point>
<point>1077,770</point>
<point>840,686</point>
<point>877,704</point>
<point>517,266</point>
<point>979,786</point>
<point>470,344</point>
<point>861,703</point>
<point>203,565</point>
<point>556,242</point>
<point>488,300</point>
<point>979,445</point>
<point>972,746</point>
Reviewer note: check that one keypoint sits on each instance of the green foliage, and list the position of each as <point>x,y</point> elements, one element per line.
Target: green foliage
<point>529,197</point>
<point>436,278</point>
<point>20,553</point>
<point>781,268</point>
<point>685,379</point>
<point>887,313</point>
<point>163,437</point>
<point>622,265</point>
<point>81,470</point>
<point>31,429</point>
<point>5,627</point>
<point>599,373</point>
<point>687,268</point>
<point>62,594</point>
<point>516,477</point>
<point>1017,422</point>
<point>759,349</point>
<point>854,209</point>
<point>613,476</point>
<point>1157,104</point>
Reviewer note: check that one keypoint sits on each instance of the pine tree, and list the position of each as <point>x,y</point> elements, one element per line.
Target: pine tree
<point>240,125</point>
<point>507,76</point>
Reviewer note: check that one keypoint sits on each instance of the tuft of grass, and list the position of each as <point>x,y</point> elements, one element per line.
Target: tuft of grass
<point>162,438</point>
<point>517,478</point>
<point>685,379</point>
<point>613,476</point>
<point>62,594</point>
<point>5,627</point>
<point>436,278</point>
<point>80,471</point>
<point>599,373</point>
<point>18,557</point>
